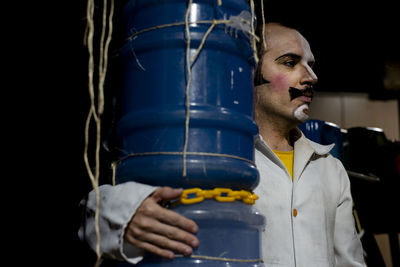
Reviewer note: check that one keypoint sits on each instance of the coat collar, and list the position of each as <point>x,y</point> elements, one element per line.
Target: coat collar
<point>304,150</point>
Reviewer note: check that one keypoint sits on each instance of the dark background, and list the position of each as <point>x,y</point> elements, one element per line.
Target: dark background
<point>351,41</point>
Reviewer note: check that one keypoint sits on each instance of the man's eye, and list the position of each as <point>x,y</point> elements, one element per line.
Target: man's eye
<point>290,63</point>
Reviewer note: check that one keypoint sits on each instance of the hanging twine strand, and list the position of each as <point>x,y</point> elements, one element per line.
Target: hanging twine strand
<point>175,24</point>
<point>96,108</point>
<point>203,41</point>
<point>189,75</point>
<point>92,114</point>
<point>253,40</point>
<point>189,62</point>
<point>204,257</point>
<point>263,26</point>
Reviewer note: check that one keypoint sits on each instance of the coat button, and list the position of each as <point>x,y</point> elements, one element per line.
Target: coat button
<point>294,212</point>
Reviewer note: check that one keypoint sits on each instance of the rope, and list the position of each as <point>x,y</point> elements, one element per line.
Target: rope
<point>253,40</point>
<point>96,109</point>
<point>219,258</point>
<point>263,27</point>
<point>203,42</point>
<point>92,113</point>
<point>189,61</point>
<point>115,163</point>
<point>189,76</point>
<point>175,24</point>
<point>180,153</point>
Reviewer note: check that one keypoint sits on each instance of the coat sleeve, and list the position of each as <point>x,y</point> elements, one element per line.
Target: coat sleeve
<point>348,247</point>
<point>117,206</point>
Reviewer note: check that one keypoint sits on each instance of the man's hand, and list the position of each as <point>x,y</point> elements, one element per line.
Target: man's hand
<point>159,230</point>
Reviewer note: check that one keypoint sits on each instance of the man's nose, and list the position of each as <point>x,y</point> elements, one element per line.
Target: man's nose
<point>309,76</point>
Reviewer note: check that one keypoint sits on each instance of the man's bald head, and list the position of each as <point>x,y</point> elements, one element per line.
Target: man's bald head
<point>272,35</point>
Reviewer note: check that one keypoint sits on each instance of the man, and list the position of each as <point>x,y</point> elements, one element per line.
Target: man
<point>304,192</point>
<point>307,204</point>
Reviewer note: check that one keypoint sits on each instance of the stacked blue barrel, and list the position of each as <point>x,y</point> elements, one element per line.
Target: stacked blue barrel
<point>325,133</point>
<point>220,134</point>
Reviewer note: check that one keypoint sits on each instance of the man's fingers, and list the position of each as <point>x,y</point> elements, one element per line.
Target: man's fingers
<point>173,233</point>
<point>165,253</point>
<point>175,219</point>
<point>168,216</point>
<point>159,244</point>
<point>165,222</point>
<point>167,193</point>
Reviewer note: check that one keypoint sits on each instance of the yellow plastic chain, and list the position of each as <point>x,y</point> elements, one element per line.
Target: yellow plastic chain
<point>196,195</point>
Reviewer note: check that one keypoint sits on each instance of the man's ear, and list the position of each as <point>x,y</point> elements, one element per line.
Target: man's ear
<point>259,77</point>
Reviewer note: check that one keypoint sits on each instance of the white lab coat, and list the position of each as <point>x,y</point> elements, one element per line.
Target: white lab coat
<point>322,234</point>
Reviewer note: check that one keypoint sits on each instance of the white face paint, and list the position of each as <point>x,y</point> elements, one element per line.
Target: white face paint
<point>301,113</point>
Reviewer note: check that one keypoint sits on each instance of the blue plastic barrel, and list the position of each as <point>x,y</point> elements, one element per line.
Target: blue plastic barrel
<point>325,133</point>
<point>228,233</point>
<point>151,129</point>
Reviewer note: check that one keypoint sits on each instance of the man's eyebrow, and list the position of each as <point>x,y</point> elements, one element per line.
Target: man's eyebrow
<point>292,55</point>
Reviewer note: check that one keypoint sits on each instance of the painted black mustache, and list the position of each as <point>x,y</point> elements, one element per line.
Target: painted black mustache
<point>294,92</point>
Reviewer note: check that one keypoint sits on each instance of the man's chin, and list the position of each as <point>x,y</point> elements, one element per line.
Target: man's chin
<point>302,113</point>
